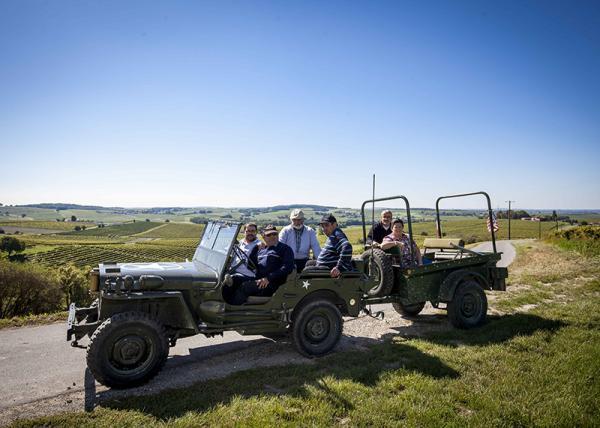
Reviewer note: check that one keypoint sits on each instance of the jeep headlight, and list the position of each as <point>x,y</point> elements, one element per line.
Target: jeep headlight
<point>94,280</point>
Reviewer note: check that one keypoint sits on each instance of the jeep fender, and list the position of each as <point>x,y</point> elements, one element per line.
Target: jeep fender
<point>168,307</point>
<point>449,284</point>
<point>333,297</point>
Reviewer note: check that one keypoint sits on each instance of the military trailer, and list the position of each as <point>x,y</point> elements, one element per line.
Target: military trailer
<point>143,308</point>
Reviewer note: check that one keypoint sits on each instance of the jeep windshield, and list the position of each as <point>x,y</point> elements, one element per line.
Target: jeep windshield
<point>215,245</point>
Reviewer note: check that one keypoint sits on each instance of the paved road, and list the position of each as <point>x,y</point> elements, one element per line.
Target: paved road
<point>505,247</point>
<point>41,372</point>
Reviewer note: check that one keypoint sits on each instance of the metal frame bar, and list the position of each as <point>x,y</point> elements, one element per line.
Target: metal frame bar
<point>408,218</point>
<point>490,214</point>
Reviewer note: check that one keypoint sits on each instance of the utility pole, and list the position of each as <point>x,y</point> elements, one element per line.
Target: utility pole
<point>509,202</point>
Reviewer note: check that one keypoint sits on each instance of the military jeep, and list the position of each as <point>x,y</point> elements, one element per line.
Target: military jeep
<point>143,308</point>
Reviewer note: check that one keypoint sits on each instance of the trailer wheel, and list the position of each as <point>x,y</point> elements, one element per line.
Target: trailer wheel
<point>409,310</point>
<point>383,275</point>
<point>127,349</point>
<point>317,328</point>
<point>468,307</point>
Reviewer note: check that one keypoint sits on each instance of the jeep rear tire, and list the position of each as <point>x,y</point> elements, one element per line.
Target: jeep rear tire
<point>383,275</point>
<point>127,349</point>
<point>468,307</point>
<point>408,310</point>
<point>317,328</point>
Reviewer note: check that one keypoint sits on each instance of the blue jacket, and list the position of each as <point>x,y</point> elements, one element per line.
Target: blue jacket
<point>274,263</point>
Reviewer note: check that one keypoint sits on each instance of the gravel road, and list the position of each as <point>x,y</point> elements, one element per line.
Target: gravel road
<point>42,374</point>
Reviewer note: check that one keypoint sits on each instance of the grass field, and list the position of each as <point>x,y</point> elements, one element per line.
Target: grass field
<point>535,363</point>
<point>174,231</point>
<point>50,225</point>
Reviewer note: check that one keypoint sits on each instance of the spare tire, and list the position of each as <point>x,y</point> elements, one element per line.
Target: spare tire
<point>383,274</point>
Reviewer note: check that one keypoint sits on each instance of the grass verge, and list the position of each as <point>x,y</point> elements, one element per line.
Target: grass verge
<point>32,320</point>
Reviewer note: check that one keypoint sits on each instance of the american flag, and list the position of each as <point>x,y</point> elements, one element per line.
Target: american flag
<point>493,223</point>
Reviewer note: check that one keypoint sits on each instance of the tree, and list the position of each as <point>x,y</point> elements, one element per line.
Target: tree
<point>73,218</point>
<point>10,245</point>
<point>1,231</point>
<point>167,221</point>
<point>23,215</point>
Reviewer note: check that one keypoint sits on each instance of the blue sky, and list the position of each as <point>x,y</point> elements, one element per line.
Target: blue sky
<point>139,103</point>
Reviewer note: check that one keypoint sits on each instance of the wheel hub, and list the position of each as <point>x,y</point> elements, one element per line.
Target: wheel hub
<point>129,350</point>
<point>317,328</point>
<point>470,306</point>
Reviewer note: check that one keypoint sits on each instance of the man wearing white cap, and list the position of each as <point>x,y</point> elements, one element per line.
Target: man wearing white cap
<point>300,238</point>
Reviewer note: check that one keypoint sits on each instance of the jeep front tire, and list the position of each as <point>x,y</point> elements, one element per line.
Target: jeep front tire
<point>127,349</point>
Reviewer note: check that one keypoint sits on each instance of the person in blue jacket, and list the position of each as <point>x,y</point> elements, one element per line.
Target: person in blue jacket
<point>274,262</point>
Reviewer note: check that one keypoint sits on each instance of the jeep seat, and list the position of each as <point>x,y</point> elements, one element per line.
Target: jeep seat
<point>444,248</point>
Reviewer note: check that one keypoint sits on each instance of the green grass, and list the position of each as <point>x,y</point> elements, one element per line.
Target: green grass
<point>174,231</point>
<point>583,239</point>
<point>32,320</point>
<point>534,368</point>
<point>50,225</point>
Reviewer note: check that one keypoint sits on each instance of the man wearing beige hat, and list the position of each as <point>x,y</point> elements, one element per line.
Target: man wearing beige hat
<point>302,239</point>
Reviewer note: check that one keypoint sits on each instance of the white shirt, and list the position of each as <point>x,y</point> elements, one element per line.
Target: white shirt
<point>308,241</point>
<point>247,248</point>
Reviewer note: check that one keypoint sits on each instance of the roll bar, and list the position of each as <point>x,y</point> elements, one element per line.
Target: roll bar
<point>490,215</point>
<point>408,218</point>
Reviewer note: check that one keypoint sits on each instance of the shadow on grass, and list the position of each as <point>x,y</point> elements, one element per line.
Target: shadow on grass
<point>299,381</point>
<point>497,329</point>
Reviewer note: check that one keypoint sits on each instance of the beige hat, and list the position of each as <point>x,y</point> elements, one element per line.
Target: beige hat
<point>297,214</point>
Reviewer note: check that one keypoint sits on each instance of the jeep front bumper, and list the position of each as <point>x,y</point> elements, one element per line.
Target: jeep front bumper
<point>76,323</point>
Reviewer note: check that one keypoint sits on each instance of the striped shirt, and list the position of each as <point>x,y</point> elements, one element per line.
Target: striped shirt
<point>336,252</point>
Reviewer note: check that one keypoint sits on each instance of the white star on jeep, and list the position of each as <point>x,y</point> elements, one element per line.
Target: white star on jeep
<point>305,284</point>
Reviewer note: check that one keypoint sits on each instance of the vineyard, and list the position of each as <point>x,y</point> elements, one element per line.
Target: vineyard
<point>91,255</point>
<point>125,229</point>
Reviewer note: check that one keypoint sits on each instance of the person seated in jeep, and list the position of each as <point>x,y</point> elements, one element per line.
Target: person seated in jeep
<point>380,230</point>
<point>336,254</point>
<point>245,269</point>
<point>399,243</point>
<point>274,262</point>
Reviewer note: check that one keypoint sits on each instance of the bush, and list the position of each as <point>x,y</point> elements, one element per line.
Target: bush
<point>1,231</point>
<point>77,228</point>
<point>73,282</point>
<point>423,233</point>
<point>471,240</point>
<point>26,289</point>
<point>11,245</point>
<point>584,239</point>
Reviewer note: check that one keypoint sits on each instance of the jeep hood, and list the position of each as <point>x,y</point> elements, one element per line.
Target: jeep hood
<point>169,271</point>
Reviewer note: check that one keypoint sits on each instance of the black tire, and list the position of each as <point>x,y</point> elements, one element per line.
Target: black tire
<point>468,307</point>
<point>383,277</point>
<point>409,310</point>
<point>317,328</point>
<point>128,349</point>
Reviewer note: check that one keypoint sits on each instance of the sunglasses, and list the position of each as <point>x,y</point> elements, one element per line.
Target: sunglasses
<point>270,233</point>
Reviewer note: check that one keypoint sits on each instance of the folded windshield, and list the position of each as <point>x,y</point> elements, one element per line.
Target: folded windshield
<point>215,244</point>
